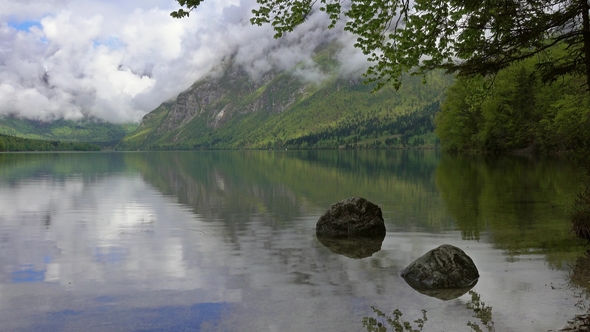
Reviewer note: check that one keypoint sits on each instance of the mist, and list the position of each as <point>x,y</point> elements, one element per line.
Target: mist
<point>116,61</point>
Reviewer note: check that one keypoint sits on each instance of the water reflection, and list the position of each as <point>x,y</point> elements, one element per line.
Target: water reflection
<point>444,294</point>
<point>352,247</point>
<point>284,186</point>
<point>226,241</point>
<point>580,274</point>
<point>521,202</point>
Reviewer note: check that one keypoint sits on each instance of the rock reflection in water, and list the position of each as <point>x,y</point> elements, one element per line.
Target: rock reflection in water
<point>353,247</point>
<point>444,294</point>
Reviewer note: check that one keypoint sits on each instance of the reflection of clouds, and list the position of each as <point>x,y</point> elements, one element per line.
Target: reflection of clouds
<point>107,236</point>
<point>125,219</point>
<point>52,274</point>
<point>110,229</point>
<point>27,201</point>
<point>110,254</point>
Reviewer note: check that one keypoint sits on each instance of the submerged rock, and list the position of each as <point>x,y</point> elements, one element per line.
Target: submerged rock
<point>353,247</point>
<point>445,267</point>
<point>351,217</point>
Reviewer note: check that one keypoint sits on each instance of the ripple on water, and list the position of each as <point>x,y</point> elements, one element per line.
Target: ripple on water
<point>128,233</point>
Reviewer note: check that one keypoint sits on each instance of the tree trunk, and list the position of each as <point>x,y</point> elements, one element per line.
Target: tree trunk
<point>586,39</point>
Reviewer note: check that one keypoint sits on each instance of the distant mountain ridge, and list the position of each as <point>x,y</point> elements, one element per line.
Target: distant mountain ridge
<point>228,110</point>
<point>87,130</point>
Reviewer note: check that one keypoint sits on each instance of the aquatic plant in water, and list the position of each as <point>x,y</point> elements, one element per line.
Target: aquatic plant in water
<point>395,321</point>
<point>481,311</point>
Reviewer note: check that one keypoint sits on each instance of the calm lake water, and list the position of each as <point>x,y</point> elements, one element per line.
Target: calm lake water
<point>225,241</point>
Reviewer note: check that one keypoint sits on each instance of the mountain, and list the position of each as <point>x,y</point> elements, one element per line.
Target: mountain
<point>87,130</point>
<point>13,143</point>
<point>229,110</point>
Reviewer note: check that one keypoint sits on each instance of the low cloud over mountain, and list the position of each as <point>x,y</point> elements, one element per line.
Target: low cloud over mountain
<point>118,60</point>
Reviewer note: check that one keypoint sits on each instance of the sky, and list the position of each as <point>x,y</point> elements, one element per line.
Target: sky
<point>118,60</point>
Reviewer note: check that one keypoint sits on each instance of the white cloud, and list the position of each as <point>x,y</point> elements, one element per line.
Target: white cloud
<point>28,9</point>
<point>117,60</point>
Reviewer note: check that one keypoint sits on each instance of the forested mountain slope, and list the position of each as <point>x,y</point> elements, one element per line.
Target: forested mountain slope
<point>229,110</point>
<point>12,143</point>
<point>87,131</point>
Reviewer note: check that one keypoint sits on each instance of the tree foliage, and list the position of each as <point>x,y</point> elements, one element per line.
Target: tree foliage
<point>372,131</point>
<point>515,110</point>
<point>463,36</point>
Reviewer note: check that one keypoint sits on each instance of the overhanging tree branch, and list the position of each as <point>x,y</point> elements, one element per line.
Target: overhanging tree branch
<point>462,36</point>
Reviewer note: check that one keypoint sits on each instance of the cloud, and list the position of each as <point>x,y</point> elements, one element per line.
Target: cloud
<point>118,60</point>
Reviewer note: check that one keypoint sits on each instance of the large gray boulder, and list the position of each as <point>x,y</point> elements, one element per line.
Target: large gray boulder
<point>441,268</point>
<point>351,217</point>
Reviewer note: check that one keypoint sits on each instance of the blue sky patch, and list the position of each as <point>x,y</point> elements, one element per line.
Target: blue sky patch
<point>24,25</point>
<point>111,42</point>
<point>27,273</point>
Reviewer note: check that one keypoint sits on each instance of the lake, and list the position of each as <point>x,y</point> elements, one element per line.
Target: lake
<point>225,241</point>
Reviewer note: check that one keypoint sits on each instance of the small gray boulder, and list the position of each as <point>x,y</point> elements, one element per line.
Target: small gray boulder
<point>351,217</point>
<point>441,268</point>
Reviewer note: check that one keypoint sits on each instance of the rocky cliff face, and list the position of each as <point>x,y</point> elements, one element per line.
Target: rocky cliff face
<point>218,99</point>
<point>191,103</point>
